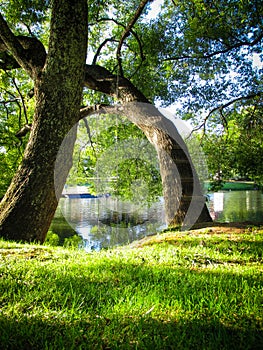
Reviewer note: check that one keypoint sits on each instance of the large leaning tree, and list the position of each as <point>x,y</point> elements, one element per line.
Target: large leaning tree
<point>59,76</point>
<point>187,51</point>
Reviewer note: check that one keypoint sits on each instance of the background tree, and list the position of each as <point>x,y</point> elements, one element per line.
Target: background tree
<point>236,151</point>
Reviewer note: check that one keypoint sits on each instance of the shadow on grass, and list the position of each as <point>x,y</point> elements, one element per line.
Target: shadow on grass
<point>120,333</point>
<point>117,303</point>
<point>234,225</point>
<point>87,323</point>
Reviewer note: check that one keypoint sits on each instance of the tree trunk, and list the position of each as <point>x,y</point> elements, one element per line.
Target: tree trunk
<point>30,202</point>
<point>184,201</point>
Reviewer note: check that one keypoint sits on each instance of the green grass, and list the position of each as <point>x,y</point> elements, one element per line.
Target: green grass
<point>234,186</point>
<point>238,186</point>
<point>173,291</point>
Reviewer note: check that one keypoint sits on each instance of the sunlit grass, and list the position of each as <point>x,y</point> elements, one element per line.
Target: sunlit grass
<point>172,291</point>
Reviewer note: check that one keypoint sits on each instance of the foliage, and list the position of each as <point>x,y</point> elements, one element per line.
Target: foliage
<point>73,242</point>
<point>52,239</point>
<point>197,54</point>
<point>26,17</point>
<point>207,52</point>
<point>113,156</point>
<point>16,110</point>
<point>189,290</point>
<point>237,151</point>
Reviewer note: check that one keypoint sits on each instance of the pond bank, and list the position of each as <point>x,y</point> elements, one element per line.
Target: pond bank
<point>209,229</point>
<point>95,223</point>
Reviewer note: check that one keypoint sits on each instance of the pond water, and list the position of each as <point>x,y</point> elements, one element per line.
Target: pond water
<point>104,222</point>
<point>238,206</point>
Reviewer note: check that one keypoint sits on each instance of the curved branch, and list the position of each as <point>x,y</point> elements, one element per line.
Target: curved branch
<point>14,100</point>
<point>22,99</point>
<point>222,107</point>
<point>94,61</point>
<point>225,105</point>
<point>100,79</point>
<point>29,53</point>
<point>158,131</point>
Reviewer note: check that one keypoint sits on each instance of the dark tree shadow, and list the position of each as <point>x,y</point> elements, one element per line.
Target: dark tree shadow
<point>142,333</point>
<point>94,328</point>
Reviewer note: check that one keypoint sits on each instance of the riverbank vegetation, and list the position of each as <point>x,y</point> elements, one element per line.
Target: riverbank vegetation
<point>200,289</point>
<point>235,151</point>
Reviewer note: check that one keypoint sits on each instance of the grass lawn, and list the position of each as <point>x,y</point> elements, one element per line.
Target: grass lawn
<point>238,186</point>
<point>179,290</point>
<point>234,186</point>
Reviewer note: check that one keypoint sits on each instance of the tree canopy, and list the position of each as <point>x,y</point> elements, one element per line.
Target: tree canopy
<point>199,55</point>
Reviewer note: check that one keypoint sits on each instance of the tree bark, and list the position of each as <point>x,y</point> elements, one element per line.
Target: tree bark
<point>30,202</point>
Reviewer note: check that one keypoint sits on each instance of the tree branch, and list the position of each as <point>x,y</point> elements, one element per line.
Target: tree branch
<point>14,100</point>
<point>88,110</point>
<point>90,137</point>
<point>29,53</point>
<point>12,44</point>
<point>222,107</point>
<point>218,52</point>
<point>22,99</point>
<point>225,105</point>
<point>127,31</point>
<point>7,62</point>
<point>131,31</point>
<point>96,77</point>
<point>100,79</point>
<point>94,61</point>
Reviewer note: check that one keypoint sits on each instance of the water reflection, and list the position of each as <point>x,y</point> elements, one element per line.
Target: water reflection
<point>102,222</point>
<point>238,206</point>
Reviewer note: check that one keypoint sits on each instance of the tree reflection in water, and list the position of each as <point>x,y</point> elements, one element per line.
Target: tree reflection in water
<point>236,206</point>
<point>104,223</point>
